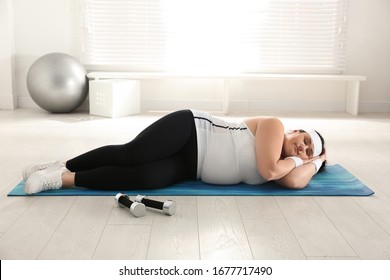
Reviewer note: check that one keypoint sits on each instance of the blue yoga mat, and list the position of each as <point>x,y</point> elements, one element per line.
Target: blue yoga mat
<point>333,181</point>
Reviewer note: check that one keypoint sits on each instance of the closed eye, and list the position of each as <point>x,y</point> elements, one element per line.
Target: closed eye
<point>309,150</point>
<point>307,140</point>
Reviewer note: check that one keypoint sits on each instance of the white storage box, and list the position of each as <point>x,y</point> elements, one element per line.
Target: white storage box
<point>114,98</point>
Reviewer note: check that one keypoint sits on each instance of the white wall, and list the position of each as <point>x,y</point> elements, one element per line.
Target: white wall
<point>7,71</point>
<point>43,26</point>
<point>369,51</point>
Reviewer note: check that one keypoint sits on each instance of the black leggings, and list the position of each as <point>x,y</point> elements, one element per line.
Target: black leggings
<point>164,153</point>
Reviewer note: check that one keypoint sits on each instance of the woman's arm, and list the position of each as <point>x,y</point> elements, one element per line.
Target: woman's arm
<point>299,177</point>
<point>269,142</point>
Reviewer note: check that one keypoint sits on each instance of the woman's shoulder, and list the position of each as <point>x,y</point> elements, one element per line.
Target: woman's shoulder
<point>265,121</point>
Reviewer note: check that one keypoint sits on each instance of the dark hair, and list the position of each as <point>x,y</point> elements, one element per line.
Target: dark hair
<point>323,148</point>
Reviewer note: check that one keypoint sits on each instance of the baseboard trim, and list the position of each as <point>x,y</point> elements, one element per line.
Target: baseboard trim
<point>243,106</point>
<point>374,107</point>
<point>237,105</point>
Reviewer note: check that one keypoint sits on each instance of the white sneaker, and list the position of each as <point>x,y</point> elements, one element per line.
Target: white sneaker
<point>43,181</point>
<point>48,166</point>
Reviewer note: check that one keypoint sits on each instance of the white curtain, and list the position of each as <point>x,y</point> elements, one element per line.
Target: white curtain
<point>200,36</point>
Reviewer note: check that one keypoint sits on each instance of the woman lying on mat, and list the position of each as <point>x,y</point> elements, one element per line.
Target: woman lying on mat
<point>190,145</point>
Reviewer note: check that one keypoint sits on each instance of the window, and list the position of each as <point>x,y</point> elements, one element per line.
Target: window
<point>275,36</point>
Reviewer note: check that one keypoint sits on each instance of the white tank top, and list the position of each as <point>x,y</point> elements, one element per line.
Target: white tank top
<point>226,151</point>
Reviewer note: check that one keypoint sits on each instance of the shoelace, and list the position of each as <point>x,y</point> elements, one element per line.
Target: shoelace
<point>49,184</point>
<point>43,167</point>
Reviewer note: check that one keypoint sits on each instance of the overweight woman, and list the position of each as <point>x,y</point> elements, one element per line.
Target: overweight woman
<point>191,145</point>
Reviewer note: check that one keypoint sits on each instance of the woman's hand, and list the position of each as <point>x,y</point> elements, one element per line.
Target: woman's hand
<point>321,157</point>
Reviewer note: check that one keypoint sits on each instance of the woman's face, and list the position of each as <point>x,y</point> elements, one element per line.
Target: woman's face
<point>298,144</point>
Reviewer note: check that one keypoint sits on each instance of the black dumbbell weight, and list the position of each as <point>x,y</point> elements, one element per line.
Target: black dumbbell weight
<point>168,206</point>
<point>136,208</point>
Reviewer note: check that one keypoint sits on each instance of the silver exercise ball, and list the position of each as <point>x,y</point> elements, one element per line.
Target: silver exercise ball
<point>57,82</point>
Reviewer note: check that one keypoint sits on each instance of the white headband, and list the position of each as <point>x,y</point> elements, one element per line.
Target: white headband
<point>315,138</point>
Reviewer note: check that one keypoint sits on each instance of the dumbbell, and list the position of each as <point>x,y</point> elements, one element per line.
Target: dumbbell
<point>136,208</point>
<point>168,207</point>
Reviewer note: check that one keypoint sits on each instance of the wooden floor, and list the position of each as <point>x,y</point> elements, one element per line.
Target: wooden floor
<point>203,227</point>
